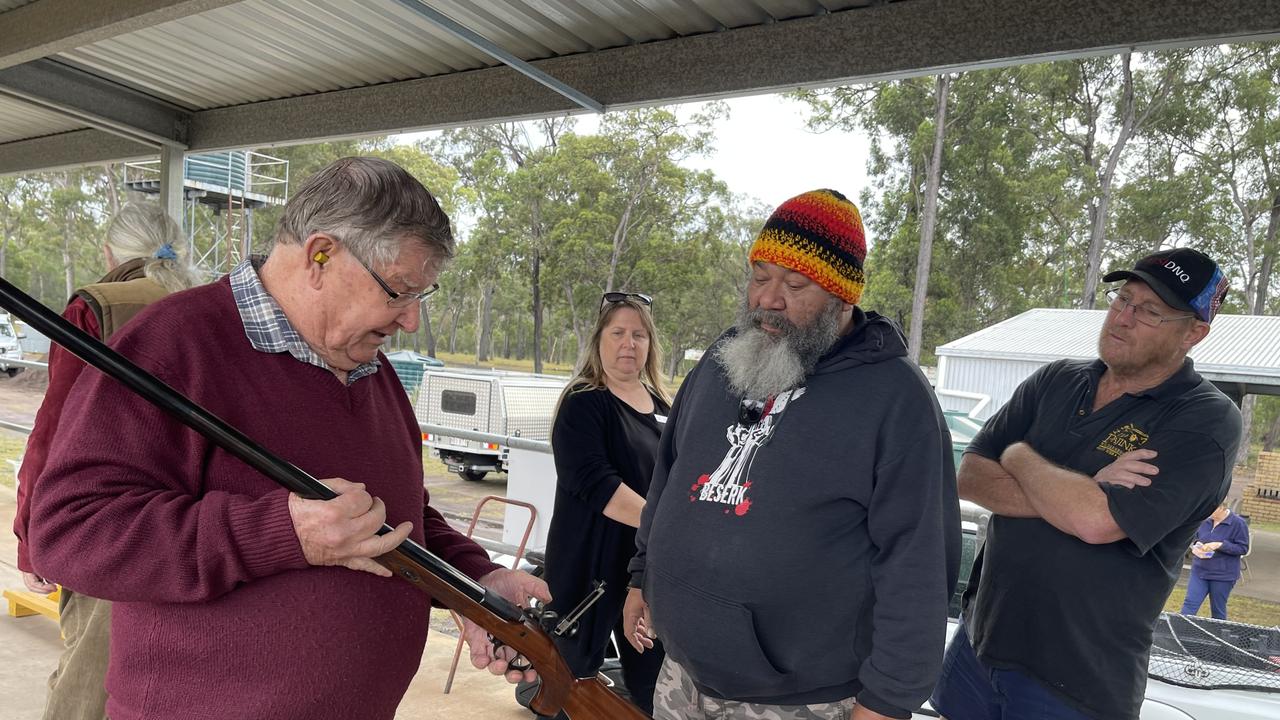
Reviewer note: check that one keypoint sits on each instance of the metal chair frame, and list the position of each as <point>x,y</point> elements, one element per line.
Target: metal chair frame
<point>515,563</point>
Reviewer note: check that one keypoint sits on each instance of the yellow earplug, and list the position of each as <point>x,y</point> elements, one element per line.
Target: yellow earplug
<point>320,257</point>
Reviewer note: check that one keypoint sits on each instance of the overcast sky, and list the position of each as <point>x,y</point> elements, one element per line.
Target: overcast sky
<point>763,150</point>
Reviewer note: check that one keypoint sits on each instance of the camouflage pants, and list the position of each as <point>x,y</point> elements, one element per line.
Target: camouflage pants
<point>676,698</point>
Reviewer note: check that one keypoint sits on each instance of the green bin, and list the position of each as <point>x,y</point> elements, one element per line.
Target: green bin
<point>410,367</point>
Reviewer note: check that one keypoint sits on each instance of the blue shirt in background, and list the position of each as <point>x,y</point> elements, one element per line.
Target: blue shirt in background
<point>1233,533</point>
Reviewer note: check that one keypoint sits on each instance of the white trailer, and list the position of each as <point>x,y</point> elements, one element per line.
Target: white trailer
<point>10,348</point>
<point>498,403</point>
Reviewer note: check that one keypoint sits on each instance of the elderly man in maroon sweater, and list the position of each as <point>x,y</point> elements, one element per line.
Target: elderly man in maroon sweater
<point>233,597</point>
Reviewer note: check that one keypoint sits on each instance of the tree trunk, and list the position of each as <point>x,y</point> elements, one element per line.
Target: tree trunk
<point>623,228</point>
<point>1272,438</point>
<point>1259,307</point>
<point>578,331</point>
<point>1268,259</point>
<point>68,264</point>
<point>113,189</point>
<point>536,283</point>
<point>673,362</point>
<point>555,346</point>
<point>429,336</point>
<point>456,310</point>
<point>1246,429</point>
<point>929,220</point>
<point>1098,232</point>
<point>484,321</point>
<point>8,231</point>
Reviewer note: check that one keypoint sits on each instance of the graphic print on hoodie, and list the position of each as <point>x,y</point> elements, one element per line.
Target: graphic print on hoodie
<point>731,480</point>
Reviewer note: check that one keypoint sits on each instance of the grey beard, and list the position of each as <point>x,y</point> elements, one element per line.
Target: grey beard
<point>759,365</point>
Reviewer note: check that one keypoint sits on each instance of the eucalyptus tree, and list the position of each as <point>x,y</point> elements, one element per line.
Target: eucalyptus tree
<point>1229,125</point>
<point>952,209</point>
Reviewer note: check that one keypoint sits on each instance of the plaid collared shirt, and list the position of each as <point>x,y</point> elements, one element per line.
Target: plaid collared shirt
<point>267,327</point>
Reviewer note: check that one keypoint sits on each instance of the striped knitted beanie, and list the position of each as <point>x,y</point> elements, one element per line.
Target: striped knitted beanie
<point>819,235</point>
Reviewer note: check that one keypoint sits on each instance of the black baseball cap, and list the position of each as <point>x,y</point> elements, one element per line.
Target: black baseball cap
<point>1185,279</point>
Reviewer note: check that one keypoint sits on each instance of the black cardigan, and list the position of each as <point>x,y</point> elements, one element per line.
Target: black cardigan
<point>599,442</point>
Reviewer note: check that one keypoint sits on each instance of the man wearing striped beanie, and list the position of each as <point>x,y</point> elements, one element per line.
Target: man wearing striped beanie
<point>799,542</point>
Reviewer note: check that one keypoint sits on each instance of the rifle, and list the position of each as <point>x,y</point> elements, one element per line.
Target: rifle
<point>507,624</point>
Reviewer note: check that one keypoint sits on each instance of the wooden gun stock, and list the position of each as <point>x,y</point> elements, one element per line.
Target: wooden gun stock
<point>581,699</point>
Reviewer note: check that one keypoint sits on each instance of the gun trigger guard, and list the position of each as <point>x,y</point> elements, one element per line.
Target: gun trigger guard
<point>518,663</point>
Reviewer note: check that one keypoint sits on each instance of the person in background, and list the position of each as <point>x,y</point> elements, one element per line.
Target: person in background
<point>1220,542</point>
<point>147,257</point>
<point>605,438</point>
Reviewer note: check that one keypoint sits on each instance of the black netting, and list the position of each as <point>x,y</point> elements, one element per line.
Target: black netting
<point>1204,653</point>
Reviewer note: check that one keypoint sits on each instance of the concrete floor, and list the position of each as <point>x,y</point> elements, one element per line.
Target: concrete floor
<point>29,649</point>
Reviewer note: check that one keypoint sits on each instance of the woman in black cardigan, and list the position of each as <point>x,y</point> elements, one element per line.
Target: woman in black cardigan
<point>605,439</point>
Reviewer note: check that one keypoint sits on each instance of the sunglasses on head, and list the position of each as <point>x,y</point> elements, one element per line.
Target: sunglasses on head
<point>617,297</point>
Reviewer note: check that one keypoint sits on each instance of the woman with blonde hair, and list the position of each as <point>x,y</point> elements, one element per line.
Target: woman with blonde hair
<point>605,439</point>
<point>147,258</point>
<point>143,233</point>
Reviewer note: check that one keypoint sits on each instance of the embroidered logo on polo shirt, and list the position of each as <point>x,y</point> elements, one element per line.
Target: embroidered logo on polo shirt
<point>1124,439</point>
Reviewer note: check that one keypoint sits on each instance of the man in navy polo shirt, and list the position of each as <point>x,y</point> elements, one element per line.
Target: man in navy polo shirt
<point>1097,474</point>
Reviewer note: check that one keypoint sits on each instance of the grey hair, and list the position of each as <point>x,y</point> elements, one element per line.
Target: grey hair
<point>371,205</point>
<point>758,366</point>
<point>141,230</point>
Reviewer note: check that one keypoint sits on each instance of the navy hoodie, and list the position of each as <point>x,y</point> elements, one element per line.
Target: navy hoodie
<point>808,557</point>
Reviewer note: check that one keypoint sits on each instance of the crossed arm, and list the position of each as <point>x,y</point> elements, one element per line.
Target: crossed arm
<point>1024,484</point>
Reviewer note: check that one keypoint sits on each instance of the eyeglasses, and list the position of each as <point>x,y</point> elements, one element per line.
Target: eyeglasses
<point>617,297</point>
<point>399,299</point>
<point>1141,313</point>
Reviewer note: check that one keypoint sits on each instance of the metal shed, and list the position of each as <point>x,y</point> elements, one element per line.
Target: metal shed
<point>1241,355</point>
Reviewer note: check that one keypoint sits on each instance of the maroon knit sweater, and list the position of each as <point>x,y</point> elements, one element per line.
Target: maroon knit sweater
<point>217,614</point>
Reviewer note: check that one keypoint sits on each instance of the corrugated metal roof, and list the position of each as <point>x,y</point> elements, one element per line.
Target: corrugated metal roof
<point>259,72</point>
<point>20,120</point>
<point>1246,345</point>
<point>267,49</point>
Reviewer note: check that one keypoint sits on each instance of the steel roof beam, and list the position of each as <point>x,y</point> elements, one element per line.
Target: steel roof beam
<point>97,103</point>
<point>878,43</point>
<point>48,27</point>
<point>477,41</point>
<point>882,42</point>
<point>68,150</point>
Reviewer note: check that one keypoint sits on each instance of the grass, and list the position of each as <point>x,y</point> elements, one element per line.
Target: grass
<point>432,467</point>
<point>500,363</point>
<point>1239,608</point>
<point>11,447</point>
<point>1264,525</point>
